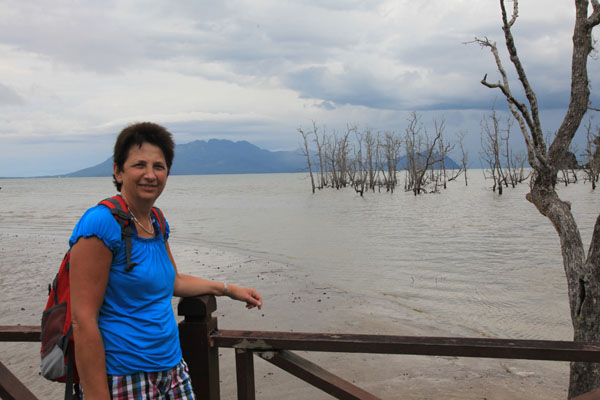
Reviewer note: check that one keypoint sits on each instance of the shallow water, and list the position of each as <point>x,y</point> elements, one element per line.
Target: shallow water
<point>466,257</point>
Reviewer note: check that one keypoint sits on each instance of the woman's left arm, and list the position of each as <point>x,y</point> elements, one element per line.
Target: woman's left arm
<point>187,286</point>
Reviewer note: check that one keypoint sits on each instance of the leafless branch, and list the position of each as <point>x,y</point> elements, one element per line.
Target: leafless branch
<point>515,13</point>
<point>518,110</point>
<point>580,90</point>
<point>535,125</point>
<point>594,18</point>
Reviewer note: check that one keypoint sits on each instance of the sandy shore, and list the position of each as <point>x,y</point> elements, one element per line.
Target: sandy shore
<point>293,302</point>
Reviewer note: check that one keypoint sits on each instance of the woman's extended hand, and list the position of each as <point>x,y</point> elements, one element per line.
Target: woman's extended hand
<point>248,295</point>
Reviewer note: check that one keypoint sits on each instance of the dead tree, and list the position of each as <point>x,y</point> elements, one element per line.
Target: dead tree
<point>371,144</point>
<point>444,148</point>
<point>517,170</point>
<point>390,152</point>
<point>582,271</point>
<point>508,156</point>
<point>361,171</point>
<point>514,163</point>
<point>320,143</point>
<point>307,154</point>
<point>464,155</point>
<point>332,158</point>
<point>591,155</point>
<point>420,154</point>
<point>411,143</point>
<point>342,152</point>
<point>380,162</point>
<point>568,167</point>
<point>490,150</point>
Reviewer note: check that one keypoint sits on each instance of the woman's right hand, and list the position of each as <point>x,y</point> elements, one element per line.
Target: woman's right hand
<point>246,294</point>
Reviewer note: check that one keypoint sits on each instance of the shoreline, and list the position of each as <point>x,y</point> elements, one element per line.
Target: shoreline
<point>292,302</point>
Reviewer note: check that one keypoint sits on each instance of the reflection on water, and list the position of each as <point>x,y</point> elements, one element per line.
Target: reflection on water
<point>466,256</point>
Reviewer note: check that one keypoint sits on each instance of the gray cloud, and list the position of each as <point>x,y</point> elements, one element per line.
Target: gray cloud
<point>8,97</point>
<point>88,36</point>
<point>255,71</point>
<point>353,87</point>
<point>327,105</point>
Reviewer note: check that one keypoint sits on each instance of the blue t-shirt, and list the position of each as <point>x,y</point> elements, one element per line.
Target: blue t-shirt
<point>136,319</point>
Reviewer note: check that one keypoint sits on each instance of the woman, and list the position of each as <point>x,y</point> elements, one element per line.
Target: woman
<point>127,343</point>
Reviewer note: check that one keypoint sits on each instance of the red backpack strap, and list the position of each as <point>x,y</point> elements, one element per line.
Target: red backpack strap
<point>160,217</point>
<point>119,210</point>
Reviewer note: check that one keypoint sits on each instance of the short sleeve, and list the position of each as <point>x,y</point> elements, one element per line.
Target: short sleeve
<point>99,222</point>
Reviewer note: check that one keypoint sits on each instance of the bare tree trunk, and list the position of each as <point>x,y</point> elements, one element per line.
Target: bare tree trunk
<point>412,133</point>
<point>443,149</point>
<point>508,157</point>
<point>391,154</point>
<point>307,154</point>
<point>332,158</point>
<point>343,149</point>
<point>360,178</point>
<point>370,148</point>
<point>420,155</point>
<point>592,154</point>
<point>583,273</point>
<point>490,144</point>
<point>320,143</point>
<point>464,155</point>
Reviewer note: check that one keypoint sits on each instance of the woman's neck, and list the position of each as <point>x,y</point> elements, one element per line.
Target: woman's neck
<point>139,208</point>
<point>140,213</point>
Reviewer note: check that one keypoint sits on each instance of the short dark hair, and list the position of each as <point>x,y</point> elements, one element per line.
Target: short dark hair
<point>137,134</point>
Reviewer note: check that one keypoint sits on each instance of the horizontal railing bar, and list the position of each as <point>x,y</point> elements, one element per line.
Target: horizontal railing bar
<point>593,395</point>
<point>417,345</point>
<point>20,333</point>
<point>11,388</point>
<point>379,344</point>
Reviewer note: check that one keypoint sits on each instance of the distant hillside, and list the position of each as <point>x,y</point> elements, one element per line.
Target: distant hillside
<point>226,157</point>
<point>448,162</point>
<point>217,157</point>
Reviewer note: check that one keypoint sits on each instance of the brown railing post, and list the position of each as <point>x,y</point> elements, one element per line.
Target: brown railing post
<point>194,334</point>
<point>244,365</point>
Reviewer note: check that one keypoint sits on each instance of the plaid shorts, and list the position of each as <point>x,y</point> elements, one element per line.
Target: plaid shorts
<point>173,384</point>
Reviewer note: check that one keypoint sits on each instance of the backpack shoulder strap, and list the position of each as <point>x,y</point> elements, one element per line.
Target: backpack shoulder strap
<point>160,217</point>
<point>119,210</point>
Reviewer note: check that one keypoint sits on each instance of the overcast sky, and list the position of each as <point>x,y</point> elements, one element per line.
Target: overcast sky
<point>74,73</point>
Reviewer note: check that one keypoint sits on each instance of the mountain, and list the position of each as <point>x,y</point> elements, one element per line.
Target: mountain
<point>217,157</point>
<point>226,157</point>
<point>448,162</point>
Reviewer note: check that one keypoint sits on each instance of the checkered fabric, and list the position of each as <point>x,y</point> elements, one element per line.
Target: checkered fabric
<point>173,384</point>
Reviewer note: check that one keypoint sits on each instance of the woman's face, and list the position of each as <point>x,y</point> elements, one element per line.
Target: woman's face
<point>144,173</point>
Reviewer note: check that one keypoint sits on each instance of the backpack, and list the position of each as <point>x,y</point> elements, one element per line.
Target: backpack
<point>57,352</point>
